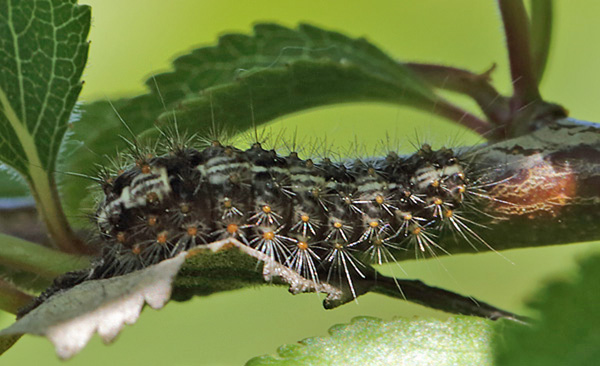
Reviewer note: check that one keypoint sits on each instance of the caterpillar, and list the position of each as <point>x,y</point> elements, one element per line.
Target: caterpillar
<point>325,220</point>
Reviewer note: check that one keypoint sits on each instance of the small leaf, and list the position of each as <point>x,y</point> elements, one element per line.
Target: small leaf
<point>368,341</point>
<point>69,319</point>
<point>568,330</point>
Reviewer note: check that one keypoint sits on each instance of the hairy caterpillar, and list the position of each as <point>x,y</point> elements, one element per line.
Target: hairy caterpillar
<point>324,220</point>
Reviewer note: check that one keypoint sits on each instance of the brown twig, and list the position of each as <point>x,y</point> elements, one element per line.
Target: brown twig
<point>464,118</point>
<point>516,29</point>
<point>477,86</point>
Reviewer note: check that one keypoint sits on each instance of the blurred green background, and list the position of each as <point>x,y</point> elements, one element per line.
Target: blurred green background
<point>132,39</point>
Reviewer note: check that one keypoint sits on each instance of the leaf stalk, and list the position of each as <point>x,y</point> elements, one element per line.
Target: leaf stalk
<point>516,29</point>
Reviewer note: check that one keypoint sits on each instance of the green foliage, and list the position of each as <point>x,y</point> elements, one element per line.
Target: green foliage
<point>568,330</point>
<point>369,341</point>
<point>43,50</point>
<point>564,332</point>
<point>274,72</point>
<point>10,186</point>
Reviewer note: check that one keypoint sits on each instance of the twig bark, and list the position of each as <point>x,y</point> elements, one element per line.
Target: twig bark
<point>477,86</point>
<point>516,29</point>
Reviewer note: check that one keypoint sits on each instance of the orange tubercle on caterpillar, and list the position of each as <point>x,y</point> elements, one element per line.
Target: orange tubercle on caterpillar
<point>146,169</point>
<point>161,238</point>
<point>184,207</point>
<point>192,231</point>
<point>268,235</point>
<point>152,197</point>
<point>136,249</point>
<point>232,228</point>
<point>152,220</point>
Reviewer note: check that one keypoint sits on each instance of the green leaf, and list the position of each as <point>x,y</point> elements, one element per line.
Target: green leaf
<point>228,76</point>
<point>271,47</point>
<point>10,186</point>
<point>43,50</point>
<point>568,330</point>
<point>259,97</point>
<point>369,341</point>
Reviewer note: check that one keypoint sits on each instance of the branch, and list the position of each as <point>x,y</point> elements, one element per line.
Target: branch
<point>440,299</point>
<point>477,86</point>
<point>541,34</point>
<point>516,28</point>
<point>536,190</point>
<point>464,118</point>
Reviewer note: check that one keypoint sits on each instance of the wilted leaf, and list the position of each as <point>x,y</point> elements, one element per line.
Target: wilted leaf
<point>568,330</point>
<point>69,319</point>
<point>460,341</point>
<point>224,270</point>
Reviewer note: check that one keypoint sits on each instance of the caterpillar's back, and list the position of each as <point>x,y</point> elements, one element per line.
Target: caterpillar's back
<point>321,219</point>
